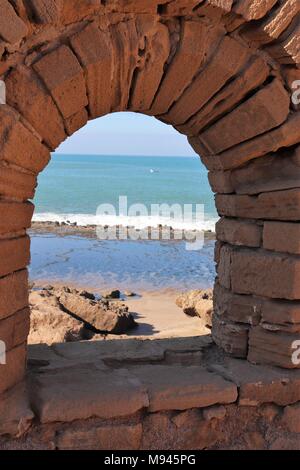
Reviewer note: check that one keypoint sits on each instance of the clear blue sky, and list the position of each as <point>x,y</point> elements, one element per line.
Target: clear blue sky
<point>127,134</point>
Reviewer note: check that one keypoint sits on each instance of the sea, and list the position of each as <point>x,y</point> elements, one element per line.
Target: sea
<point>123,190</point>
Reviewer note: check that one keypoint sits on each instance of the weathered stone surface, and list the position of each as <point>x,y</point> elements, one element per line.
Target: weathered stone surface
<point>186,430</point>
<point>71,394</point>
<point>275,348</point>
<point>268,274</point>
<point>12,28</point>
<point>18,145</point>
<point>282,236</point>
<point>254,74</point>
<point>228,59</point>
<point>230,336</point>
<point>274,25</point>
<point>26,93</point>
<point>101,317</point>
<point>181,7</point>
<point>76,122</point>
<point>239,232</point>
<point>84,9</point>
<point>14,329</point>
<point>68,86</point>
<point>155,49</point>
<point>16,184</point>
<point>15,216</point>
<point>280,205</point>
<point>197,303</point>
<point>287,51</point>
<point>253,9</point>
<point>224,266</point>
<point>191,54</point>
<point>13,371</point>
<point>45,11</point>
<point>107,437</point>
<point>270,173</point>
<point>283,313</point>
<point>286,135</point>
<point>14,255</point>
<point>261,384</point>
<point>220,182</point>
<point>180,388</point>
<point>94,51</point>
<point>237,308</point>
<point>16,415</point>
<point>291,417</point>
<point>271,104</point>
<point>126,47</point>
<point>133,351</point>
<point>13,293</point>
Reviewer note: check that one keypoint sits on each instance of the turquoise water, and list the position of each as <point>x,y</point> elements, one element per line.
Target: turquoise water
<point>72,187</point>
<point>126,265</point>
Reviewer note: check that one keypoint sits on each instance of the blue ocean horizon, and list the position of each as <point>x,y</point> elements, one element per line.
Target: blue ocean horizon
<point>73,186</point>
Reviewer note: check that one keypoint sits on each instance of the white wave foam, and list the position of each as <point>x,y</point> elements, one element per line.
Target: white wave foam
<point>84,220</point>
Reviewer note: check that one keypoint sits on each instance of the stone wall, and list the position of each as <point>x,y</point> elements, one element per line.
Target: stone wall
<point>219,71</point>
<point>160,394</point>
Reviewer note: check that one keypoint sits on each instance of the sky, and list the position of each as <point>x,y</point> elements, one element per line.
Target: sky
<point>127,134</point>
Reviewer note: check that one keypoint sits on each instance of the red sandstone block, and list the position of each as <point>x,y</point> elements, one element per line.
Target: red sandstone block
<point>231,337</point>
<point>63,76</point>
<point>264,273</point>
<point>125,43</point>
<point>228,59</point>
<point>237,308</point>
<point>151,69</point>
<point>73,12</point>
<point>239,232</point>
<point>286,135</point>
<point>16,184</point>
<point>270,173</point>
<point>274,25</point>
<point>220,182</point>
<point>18,145</point>
<point>14,255</point>
<point>278,205</point>
<point>15,216</point>
<point>94,50</point>
<point>224,266</point>
<point>27,94</point>
<point>271,104</point>
<point>229,97</point>
<point>252,9</point>
<point>13,293</point>
<point>184,66</point>
<point>45,11</point>
<point>282,236</point>
<point>15,329</point>
<point>77,121</point>
<point>274,348</point>
<point>13,371</point>
<point>12,28</point>
<point>283,313</point>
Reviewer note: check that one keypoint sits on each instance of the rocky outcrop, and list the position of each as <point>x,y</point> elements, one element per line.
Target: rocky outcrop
<point>64,314</point>
<point>197,303</point>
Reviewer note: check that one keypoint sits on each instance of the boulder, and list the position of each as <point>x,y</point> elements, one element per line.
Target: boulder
<point>197,303</point>
<point>66,315</point>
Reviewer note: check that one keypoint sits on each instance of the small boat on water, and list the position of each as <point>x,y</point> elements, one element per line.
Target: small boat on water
<point>154,171</point>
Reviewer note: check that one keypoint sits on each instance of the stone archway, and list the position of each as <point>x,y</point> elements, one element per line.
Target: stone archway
<point>219,71</point>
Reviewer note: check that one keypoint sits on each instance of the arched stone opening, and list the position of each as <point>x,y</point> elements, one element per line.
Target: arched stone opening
<point>221,72</point>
